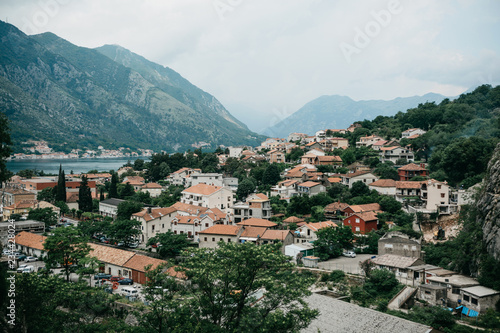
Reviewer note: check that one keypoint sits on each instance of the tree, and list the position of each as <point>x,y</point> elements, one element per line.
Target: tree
<point>113,187</point>
<point>271,175</point>
<point>66,247</point>
<point>138,164</point>
<point>45,215</point>
<point>84,196</point>
<point>125,191</point>
<point>127,208</point>
<point>169,244</point>
<point>227,283</point>
<point>386,171</point>
<point>389,204</point>
<point>5,149</point>
<point>47,194</point>
<point>245,187</point>
<point>332,241</point>
<point>62,206</point>
<point>89,267</point>
<point>61,186</point>
<point>125,231</point>
<point>359,189</point>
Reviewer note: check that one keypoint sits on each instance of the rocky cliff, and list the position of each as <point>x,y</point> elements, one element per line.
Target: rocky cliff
<point>488,205</point>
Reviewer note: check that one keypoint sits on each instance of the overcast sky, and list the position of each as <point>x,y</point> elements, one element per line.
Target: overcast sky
<point>267,58</point>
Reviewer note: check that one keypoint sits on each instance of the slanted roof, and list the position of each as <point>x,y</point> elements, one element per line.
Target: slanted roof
<point>329,159</point>
<point>275,234</point>
<point>366,216</point>
<point>253,232</point>
<point>110,254</point>
<point>152,186</point>
<point>356,174</point>
<point>409,184</point>
<point>335,180</point>
<point>112,201</point>
<point>261,196</point>
<point>222,229</point>
<point>320,225</point>
<point>138,262</point>
<point>190,209</point>
<point>293,219</point>
<point>384,183</point>
<point>412,167</point>
<point>334,206</point>
<point>391,260</point>
<point>181,170</point>
<point>309,184</point>
<point>254,222</point>
<point>202,189</point>
<point>480,291</point>
<point>182,219</point>
<point>365,208</point>
<point>155,213</point>
<point>30,240</point>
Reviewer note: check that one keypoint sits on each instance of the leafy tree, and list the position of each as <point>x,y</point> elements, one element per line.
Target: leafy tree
<point>138,164</point>
<point>47,194</point>
<point>45,215</point>
<point>62,206</point>
<point>271,175</point>
<point>126,231</point>
<point>89,267</point>
<point>5,149</point>
<point>295,154</point>
<point>125,191</point>
<point>226,283</point>
<point>380,283</point>
<point>94,226</point>
<point>84,196</point>
<point>332,241</point>
<point>61,186</point>
<point>359,189</point>
<point>27,173</point>
<point>113,187</point>
<point>386,171</point>
<point>246,187</point>
<point>127,208</point>
<point>67,246</point>
<point>389,204</point>
<point>169,244</point>
<point>210,163</point>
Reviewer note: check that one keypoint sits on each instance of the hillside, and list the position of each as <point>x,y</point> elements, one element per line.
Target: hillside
<point>75,97</point>
<point>337,112</point>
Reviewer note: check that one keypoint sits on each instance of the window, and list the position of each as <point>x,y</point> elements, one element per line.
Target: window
<point>196,233</point>
<point>221,239</point>
<point>473,300</point>
<point>205,239</point>
<point>206,225</point>
<point>213,239</point>
<point>163,226</point>
<point>175,232</point>
<point>229,240</point>
<point>466,298</point>
<point>181,232</point>
<point>439,187</point>
<point>153,227</point>
<point>442,195</point>
<point>357,228</point>
<point>357,220</point>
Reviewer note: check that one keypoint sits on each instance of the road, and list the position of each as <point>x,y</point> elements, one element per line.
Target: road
<point>348,265</point>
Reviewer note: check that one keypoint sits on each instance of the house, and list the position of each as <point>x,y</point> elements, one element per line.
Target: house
<point>384,186</point>
<point>297,173</point>
<point>230,182</point>
<point>99,178</point>
<point>313,145</point>
<point>364,176</point>
<point>285,237</point>
<point>328,160</point>
<point>368,140</point>
<point>276,156</point>
<point>219,233</point>
<point>362,223</point>
<point>135,267</point>
<point>407,190</point>
<point>257,205</point>
<point>379,144</point>
<point>208,196</point>
<point>20,208</point>
<point>479,298</point>
<point>411,170</point>
<point>30,244</point>
<point>113,259</point>
<point>178,177</point>
<point>292,219</point>
<point>397,264</point>
<point>154,189</point>
<point>154,221</point>
<point>433,295</point>
<point>330,144</point>
<point>285,189</point>
<point>192,225</point>
<point>399,244</point>
<point>235,152</point>
<point>308,158</point>
<point>306,233</point>
<point>335,209</point>
<point>292,137</point>
<point>310,188</point>
<point>213,179</point>
<point>454,285</point>
<point>13,195</point>
<point>36,185</point>
<point>394,153</point>
<point>109,207</point>
<point>353,209</point>
<point>436,196</point>
<point>254,222</point>
<point>292,250</point>
<point>412,133</point>
<point>136,181</point>
<point>272,143</point>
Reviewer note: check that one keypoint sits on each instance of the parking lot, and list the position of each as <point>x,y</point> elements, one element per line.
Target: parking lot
<point>348,265</point>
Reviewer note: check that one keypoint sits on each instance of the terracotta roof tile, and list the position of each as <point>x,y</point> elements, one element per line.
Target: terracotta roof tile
<point>365,208</point>
<point>293,219</point>
<point>138,262</point>
<point>31,240</point>
<point>155,213</point>
<point>202,189</point>
<point>309,184</point>
<point>254,222</point>
<point>384,183</point>
<point>333,207</point>
<point>110,255</point>
<point>320,225</point>
<point>412,167</point>
<point>253,232</point>
<point>152,186</point>
<point>222,229</point>
<point>190,209</point>
<point>275,234</point>
<point>409,185</point>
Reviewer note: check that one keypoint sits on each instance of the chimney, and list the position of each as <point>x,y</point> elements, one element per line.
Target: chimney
<point>149,210</point>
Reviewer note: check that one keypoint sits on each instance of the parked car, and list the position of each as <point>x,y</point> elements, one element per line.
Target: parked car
<point>133,245</point>
<point>130,292</point>
<point>21,267</point>
<point>30,259</point>
<point>28,269</point>
<point>100,276</point>
<point>126,281</point>
<point>350,254</point>
<point>115,278</point>
<point>22,257</point>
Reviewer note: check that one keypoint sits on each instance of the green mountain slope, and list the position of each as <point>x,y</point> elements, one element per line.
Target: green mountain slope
<point>75,97</point>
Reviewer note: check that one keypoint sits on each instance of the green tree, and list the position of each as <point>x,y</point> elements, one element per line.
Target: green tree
<point>169,244</point>
<point>45,215</point>
<point>61,186</point>
<point>65,247</point>
<point>47,194</point>
<point>332,241</point>
<point>5,149</point>
<point>389,204</point>
<point>386,171</point>
<point>138,164</point>
<point>228,281</point>
<point>125,191</point>
<point>126,231</point>
<point>246,187</point>
<point>84,196</point>
<point>127,208</point>
<point>271,174</point>
<point>113,187</point>
<point>62,206</point>
<point>359,189</point>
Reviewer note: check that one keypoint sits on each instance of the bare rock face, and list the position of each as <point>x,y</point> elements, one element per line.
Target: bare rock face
<point>488,205</point>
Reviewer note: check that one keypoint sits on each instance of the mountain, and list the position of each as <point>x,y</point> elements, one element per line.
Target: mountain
<point>76,97</point>
<point>339,112</point>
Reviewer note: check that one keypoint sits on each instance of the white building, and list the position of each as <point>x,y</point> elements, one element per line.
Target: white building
<point>154,221</point>
<point>208,196</point>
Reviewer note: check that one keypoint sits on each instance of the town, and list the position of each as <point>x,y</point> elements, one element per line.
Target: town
<point>348,213</point>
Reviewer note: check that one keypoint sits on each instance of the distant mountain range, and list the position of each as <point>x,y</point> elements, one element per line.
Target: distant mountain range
<point>339,112</point>
<point>76,97</point>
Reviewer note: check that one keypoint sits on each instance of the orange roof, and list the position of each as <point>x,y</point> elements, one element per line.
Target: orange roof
<point>275,234</point>
<point>31,240</point>
<point>202,189</point>
<point>190,209</point>
<point>181,170</point>
<point>408,184</point>
<point>329,158</point>
<point>335,180</point>
<point>262,196</point>
<point>320,225</point>
<point>293,219</point>
<point>366,216</point>
<point>187,219</point>
<point>384,183</point>
<point>357,173</point>
<point>412,167</point>
<point>333,207</point>
<point>110,254</point>
<point>380,143</point>
<point>253,232</point>
<point>152,186</point>
<point>309,184</point>
<point>138,262</point>
<point>388,148</point>
<point>155,213</point>
<point>365,207</point>
<point>23,204</point>
<point>254,222</point>
<point>222,229</point>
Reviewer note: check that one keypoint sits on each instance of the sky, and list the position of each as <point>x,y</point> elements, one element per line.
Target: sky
<point>265,59</point>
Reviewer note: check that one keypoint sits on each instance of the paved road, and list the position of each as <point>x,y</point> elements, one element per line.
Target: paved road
<point>348,265</point>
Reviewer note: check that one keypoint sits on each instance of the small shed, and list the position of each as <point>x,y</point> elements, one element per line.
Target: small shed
<point>311,261</point>
<point>432,294</point>
<point>479,298</point>
<point>292,250</point>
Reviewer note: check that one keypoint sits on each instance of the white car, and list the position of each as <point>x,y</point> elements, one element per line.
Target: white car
<point>21,267</point>
<point>30,259</point>
<point>350,254</point>
<point>28,269</point>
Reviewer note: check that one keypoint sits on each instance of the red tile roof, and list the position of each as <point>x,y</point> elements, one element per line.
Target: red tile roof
<point>384,183</point>
<point>190,209</point>
<point>222,229</point>
<point>409,184</point>
<point>253,232</point>
<point>365,207</point>
<point>320,225</point>
<point>412,167</point>
<point>138,262</point>
<point>31,240</point>
<point>254,222</point>
<point>155,213</point>
<point>275,234</point>
<point>309,184</point>
<point>202,189</point>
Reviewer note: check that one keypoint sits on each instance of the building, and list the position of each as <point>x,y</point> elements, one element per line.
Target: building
<point>353,209</point>
<point>479,298</point>
<point>276,156</point>
<point>136,181</point>
<point>213,179</point>
<point>257,205</point>
<point>412,133</point>
<point>219,233</point>
<point>335,209</point>
<point>208,196</point>
<point>307,233</point>
<point>109,207</point>
<point>395,153</point>
<point>112,259</point>
<point>36,185</point>
<point>359,176</point>
<point>135,267</point>
<point>384,186</point>
<point>310,188</point>
<point>362,223</point>
<point>154,189</point>
<point>368,140</point>
<point>328,160</point>
<point>433,295</point>
<point>254,222</point>
<point>31,244</point>
<point>399,244</point>
<point>293,137</point>
<point>454,285</point>
<point>154,221</point>
<point>285,189</point>
<point>397,264</point>
<point>285,237</point>
<point>178,178</point>
<point>13,195</point>
<point>411,170</point>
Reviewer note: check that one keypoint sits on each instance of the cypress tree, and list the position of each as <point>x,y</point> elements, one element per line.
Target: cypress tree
<point>113,188</point>
<point>84,196</point>
<point>61,186</point>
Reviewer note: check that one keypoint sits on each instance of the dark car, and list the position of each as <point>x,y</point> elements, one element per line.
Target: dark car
<point>100,276</point>
<point>22,257</point>
<point>126,281</point>
<point>115,278</point>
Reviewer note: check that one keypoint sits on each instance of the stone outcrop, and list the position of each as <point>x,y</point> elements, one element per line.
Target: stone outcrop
<point>488,205</point>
